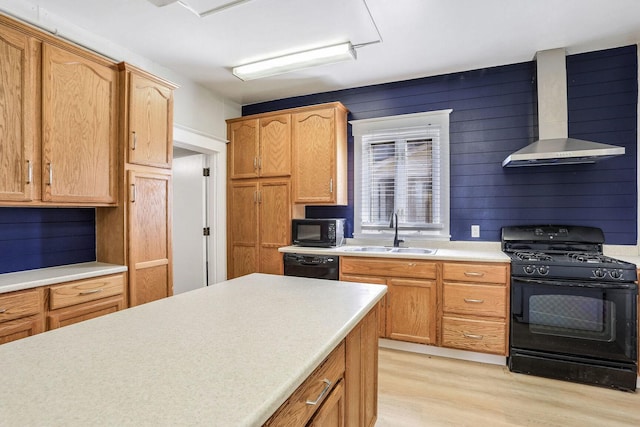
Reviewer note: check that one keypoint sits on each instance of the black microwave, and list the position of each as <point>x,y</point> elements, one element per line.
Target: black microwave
<point>318,232</point>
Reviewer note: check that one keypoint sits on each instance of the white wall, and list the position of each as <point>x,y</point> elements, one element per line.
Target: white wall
<point>195,107</point>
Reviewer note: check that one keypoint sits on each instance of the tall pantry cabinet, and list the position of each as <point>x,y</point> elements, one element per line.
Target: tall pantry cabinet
<point>277,163</point>
<point>138,232</point>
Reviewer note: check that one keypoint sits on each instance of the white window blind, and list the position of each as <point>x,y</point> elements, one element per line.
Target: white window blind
<point>401,167</point>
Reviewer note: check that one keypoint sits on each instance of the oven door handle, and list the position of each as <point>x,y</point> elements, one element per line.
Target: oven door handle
<point>577,283</point>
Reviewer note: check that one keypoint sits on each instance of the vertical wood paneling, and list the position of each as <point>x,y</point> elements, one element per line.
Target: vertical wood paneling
<point>494,114</point>
<point>45,237</point>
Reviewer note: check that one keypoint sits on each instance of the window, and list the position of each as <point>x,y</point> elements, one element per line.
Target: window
<point>402,166</point>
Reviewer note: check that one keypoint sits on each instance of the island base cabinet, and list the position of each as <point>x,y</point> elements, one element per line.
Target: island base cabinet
<point>308,399</point>
<point>361,375</point>
<point>331,413</point>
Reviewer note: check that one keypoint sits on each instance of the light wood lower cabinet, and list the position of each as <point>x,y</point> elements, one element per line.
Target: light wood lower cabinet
<point>343,390</point>
<point>21,314</point>
<point>475,307</point>
<point>29,312</point>
<point>410,306</point>
<point>458,305</point>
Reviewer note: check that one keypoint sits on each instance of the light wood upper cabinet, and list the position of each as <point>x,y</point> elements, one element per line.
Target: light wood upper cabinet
<point>260,147</point>
<point>149,230</point>
<point>320,156</point>
<point>244,142</point>
<point>150,133</point>
<point>79,129</point>
<point>18,82</point>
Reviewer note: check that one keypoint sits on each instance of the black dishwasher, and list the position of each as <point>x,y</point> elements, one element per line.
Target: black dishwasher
<point>314,266</point>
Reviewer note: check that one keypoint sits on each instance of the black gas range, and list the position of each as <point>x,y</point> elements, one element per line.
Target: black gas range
<point>563,252</point>
<point>573,309</point>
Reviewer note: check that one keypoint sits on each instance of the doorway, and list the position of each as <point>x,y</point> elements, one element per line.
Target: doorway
<point>199,203</point>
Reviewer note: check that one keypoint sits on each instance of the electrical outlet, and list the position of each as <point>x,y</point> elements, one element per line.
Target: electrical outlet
<point>475,231</point>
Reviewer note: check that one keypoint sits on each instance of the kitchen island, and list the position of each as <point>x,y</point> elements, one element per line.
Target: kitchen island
<point>228,355</point>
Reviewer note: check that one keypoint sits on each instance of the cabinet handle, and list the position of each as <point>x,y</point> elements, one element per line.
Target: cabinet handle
<point>259,162</point>
<point>135,140</point>
<point>411,264</point>
<point>331,186</point>
<point>473,301</point>
<point>91,291</point>
<point>50,174</point>
<point>324,391</point>
<point>473,336</point>
<point>473,274</point>
<point>255,197</point>
<point>3,310</point>
<point>29,172</point>
<point>133,193</point>
<point>255,163</point>
<point>259,196</point>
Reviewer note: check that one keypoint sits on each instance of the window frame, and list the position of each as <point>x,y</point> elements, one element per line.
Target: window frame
<point>361,128</point>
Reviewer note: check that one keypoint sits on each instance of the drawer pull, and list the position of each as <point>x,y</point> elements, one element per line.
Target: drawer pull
<point>473,274</point>
<point>473,336</point>
<point>473,301</point>
<point>3,310</point>
<point>90,291</point>
<point>324,391</point>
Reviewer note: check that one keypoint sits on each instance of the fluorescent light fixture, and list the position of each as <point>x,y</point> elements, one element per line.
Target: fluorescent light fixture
<point>295,61</point>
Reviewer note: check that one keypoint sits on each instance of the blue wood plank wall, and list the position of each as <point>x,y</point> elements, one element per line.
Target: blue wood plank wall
<point>494,114</point>
<point>45,237</point>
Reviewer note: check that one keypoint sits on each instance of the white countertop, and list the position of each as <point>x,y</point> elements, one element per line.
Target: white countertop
<point>226,355</point>
<point>441,254</point>
<point>20,280</point>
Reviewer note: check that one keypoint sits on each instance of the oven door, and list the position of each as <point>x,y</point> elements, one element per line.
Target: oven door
<point>591,320</point>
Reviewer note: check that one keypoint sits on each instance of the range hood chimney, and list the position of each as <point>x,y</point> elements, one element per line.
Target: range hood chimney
<point>554,146</point>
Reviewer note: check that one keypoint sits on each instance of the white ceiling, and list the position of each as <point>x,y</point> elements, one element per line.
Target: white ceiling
<point>419,37</point>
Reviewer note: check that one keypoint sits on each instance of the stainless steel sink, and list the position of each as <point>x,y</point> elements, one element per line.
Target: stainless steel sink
<point>382,249</point>
<point>414,251</point>
<point>367,249</point>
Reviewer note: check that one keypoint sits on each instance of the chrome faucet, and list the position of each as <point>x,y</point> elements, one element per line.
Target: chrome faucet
<point>396,241</point>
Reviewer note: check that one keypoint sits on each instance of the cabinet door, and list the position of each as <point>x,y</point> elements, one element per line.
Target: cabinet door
<point>242,237</point>
<point>275,146</point>
<point>314,156</point>
<point>243,149</point>
<point>79,129</point>
<point>79,313</point>
<point>331,413</point>
<point>150,122</point>
<point>21,328</point>
<point>274,209</point>
<point>149,227</point>
<point>411,310</point>
<point>17,115</point>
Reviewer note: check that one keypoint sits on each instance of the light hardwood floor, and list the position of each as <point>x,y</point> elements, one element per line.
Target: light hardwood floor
<point>421,390</point>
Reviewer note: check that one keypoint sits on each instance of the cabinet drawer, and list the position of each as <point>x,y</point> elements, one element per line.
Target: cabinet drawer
<point>296,411</point>
<point>464,272</point>
<point>85,290</point>
<point>479,300</point>
<point>21,328</point>
<point>15,305</point>
<point>474,335</point>
<point>388,267</point>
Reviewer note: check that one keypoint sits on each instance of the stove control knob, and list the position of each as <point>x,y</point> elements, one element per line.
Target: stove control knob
<point>529,269</point>
<point>615,274</point>
<point>599,273</point>
<point>543,270</point>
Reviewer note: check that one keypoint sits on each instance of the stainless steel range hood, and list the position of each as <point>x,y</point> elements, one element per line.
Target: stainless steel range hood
<point>554,146</point>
